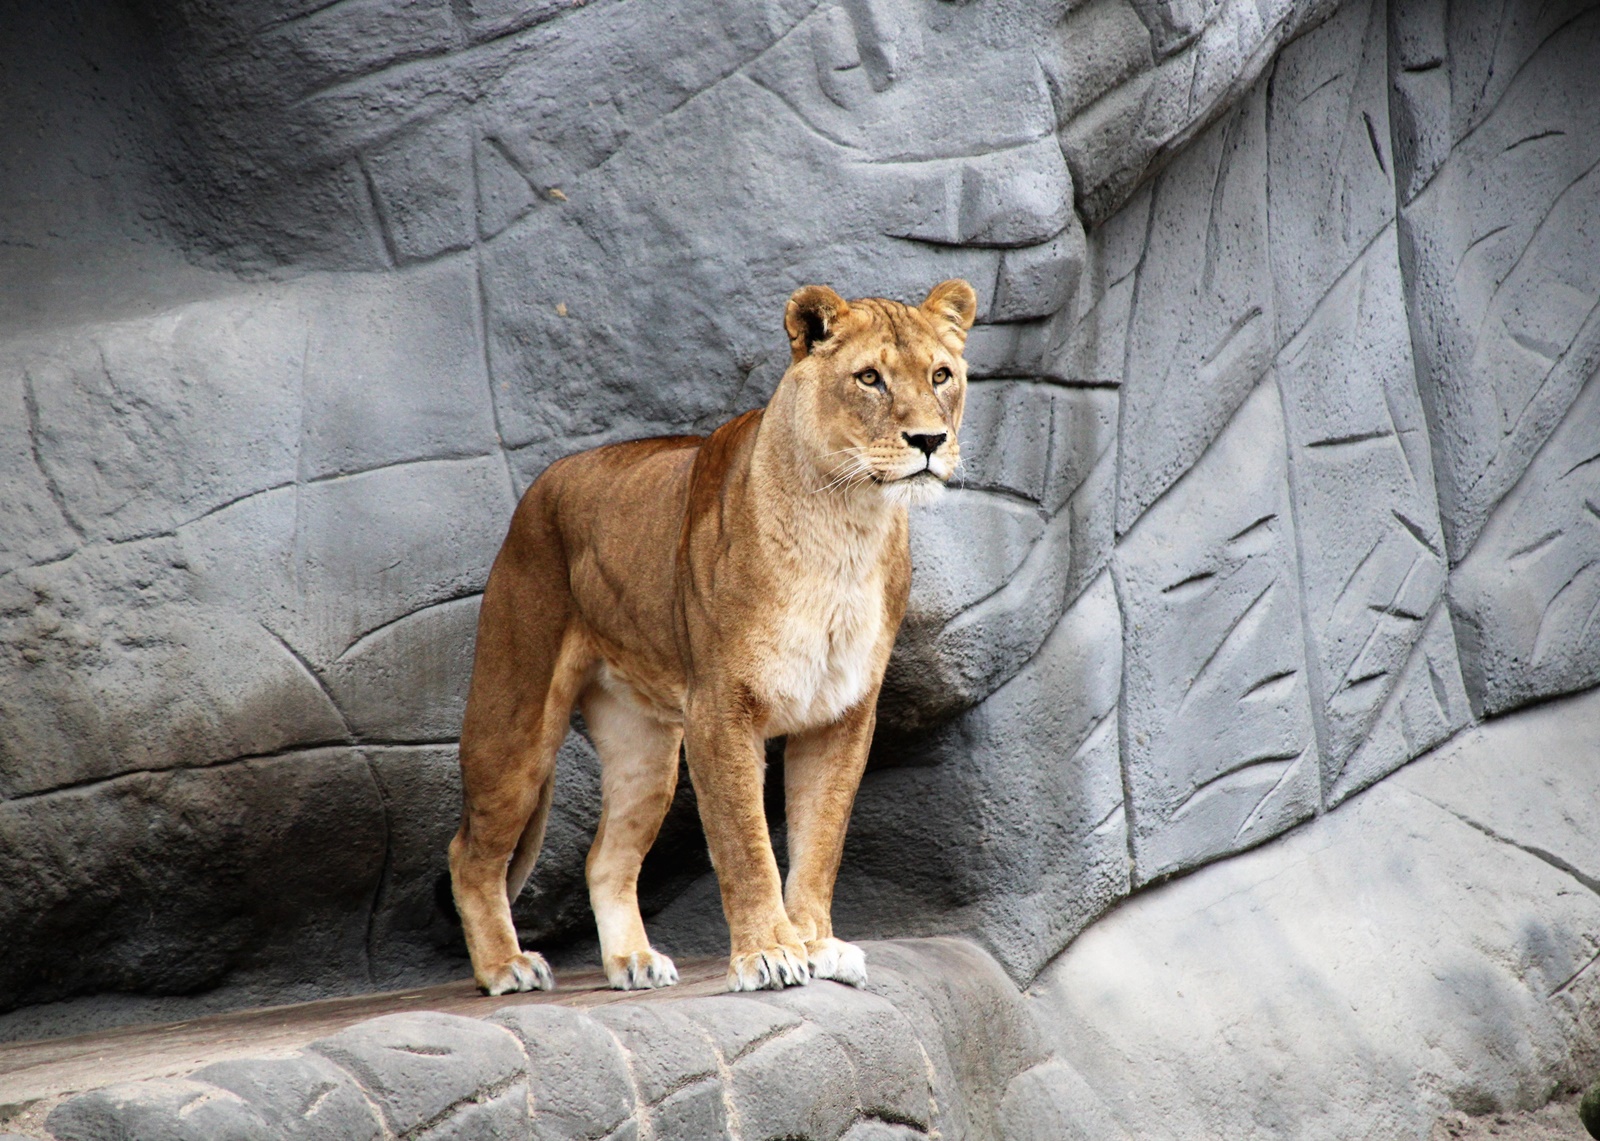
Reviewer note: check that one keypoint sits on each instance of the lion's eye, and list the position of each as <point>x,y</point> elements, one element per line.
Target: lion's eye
<point>869,378</point>
<point>941,376</point>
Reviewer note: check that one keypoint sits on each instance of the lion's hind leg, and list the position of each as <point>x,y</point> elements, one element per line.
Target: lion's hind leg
<point>638,775</point>
<point>523,687</point>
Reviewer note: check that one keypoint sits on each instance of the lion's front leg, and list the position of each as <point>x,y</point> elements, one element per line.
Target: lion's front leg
<point>821,772</point>
<point>726,766</point>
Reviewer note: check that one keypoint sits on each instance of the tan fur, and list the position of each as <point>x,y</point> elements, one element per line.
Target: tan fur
<point>715,592</point>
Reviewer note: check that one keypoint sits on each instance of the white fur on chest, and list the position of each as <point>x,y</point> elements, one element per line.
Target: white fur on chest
<point>821,652</point>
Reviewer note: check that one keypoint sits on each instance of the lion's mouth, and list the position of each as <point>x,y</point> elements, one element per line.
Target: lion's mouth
<point>921,475</point>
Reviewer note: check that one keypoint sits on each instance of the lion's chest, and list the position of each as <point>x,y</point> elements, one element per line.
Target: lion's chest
<point>821,653</point>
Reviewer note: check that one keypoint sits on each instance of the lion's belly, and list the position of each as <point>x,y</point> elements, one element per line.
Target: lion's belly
<point>821,660</point>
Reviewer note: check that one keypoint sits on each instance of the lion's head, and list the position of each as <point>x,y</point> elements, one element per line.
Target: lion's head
<point>879,387</point>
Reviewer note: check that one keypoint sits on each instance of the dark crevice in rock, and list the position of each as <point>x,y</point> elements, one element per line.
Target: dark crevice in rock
<point>1574,976</point>
<point>1555,861</point>
<point>385,870</point>
<point>275,754</point>
<point>315,677</point>
<point>31,404</point>
<point>367,635</point>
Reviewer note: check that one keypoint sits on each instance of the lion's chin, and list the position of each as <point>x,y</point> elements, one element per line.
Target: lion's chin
<point>914,490</point>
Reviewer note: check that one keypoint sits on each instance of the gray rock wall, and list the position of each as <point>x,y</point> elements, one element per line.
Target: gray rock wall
<point>1280,461</point>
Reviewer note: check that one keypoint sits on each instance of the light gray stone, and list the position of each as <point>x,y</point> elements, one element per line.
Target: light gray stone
<point>1090,341</point>
<point>666,1052</point>
<point>1040,441</point>
<point>422,189</point>
<point>407,680</point>
<point>418,1067</point>
<point>1014,197</point>
<point>502,1117</point>
<point>1052,1102</point>
<point>873,1052</point>
<point>696,1110</point>
<point>37,529</point>
<point>1427,704</point>
<point>577,1070</point>
<point>394,370</point>
<point>504,192</point>
<point>414,935</point>
<point>827,72</point>
<point>736,1026</point>
<point>143,425</point>
<point>171,1110</point>
<point>113,666</point>
<point>1206,57</point>
<point>1216,723</point>
<point>1329,170</point>
<point>969,543</point>
<point>1200,333</point>
<point>870,1130</point>
<point>1366,974</point>
<point>1039,280</point>
<point>972,1026</point>
<point>329,563</point>
<point>302,1096</point>
<point>1373,556</point>
<point>1526,599</point>
<point>1113,142</point>
<point>1501,262</point>
<point>1529,781</point>
<point>320,49</point>
<point>804,1083</point>
<point>1095,47</point>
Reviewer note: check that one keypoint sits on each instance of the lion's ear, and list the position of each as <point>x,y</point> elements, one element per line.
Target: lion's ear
<point>953,301</point>
<point>810,316</point>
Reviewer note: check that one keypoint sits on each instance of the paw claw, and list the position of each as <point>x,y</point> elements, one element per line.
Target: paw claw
<point>645,970</point>
<point>835,959</point>
<point>770,969</point>
<point>523,971</point>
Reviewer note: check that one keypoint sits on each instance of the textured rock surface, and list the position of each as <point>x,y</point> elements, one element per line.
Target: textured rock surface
<point>1279,461</point>
<point>925,1051</point>
<point>1430,947</point>
<point>1427,953</point>
<point>1208,581</point>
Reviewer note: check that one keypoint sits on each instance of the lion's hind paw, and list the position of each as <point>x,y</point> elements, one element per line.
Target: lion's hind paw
<point>523,971</point>
<point>835,959</point>
<point>771,969</point>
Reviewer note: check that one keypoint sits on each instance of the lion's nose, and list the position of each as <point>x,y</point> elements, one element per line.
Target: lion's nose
<point>928,442</point>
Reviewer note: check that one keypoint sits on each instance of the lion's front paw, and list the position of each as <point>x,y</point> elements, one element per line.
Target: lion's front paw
<point>523,971</point>
<point>643,971</point>
<point>835,959</point>
<point>771,969</point>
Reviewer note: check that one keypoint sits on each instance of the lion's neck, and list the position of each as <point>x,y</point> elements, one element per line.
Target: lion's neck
<point>807,519</point>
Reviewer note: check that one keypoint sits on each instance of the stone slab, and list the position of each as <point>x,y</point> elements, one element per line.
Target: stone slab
<point>1372,552</point>
<point>1501,262</point>
<point>418,1067</point>
<point>1526,599</point>
<point>1201,328</point>
<point>1365,975</point>
<point>1218,748</point>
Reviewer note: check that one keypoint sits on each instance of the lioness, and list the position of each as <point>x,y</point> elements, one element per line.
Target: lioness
<point>712,591</point>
